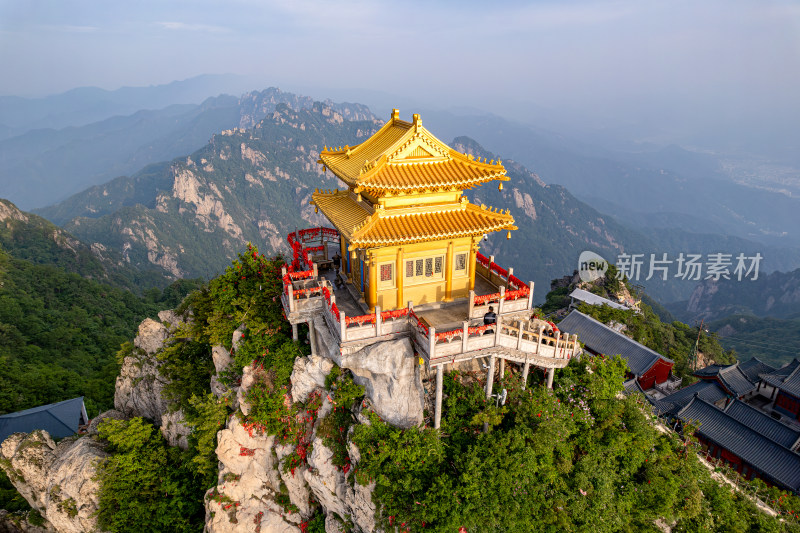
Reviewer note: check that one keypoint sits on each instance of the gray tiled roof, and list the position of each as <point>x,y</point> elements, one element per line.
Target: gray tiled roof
<point>786,369</point>
<point>710,370</point>
<point>709,391</point>
<point>786,378</point>
<point>736,381</point>
<point>602,339</point>
<point>763,423</point>
<point>593,299</point>
<point>58,419</point>
<point>730,376</point>
<point>775,462</point>
<point>753,368</point>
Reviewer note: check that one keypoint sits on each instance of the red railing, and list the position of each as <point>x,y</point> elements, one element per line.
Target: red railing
<point>519,293</point>
<point>520,289</point>
<point>297,240</point>
<point>497,269</point>
<point>360,320</point>
<point>449,335</point>
<point>473,330</point>
<point>486,298</point>
<point>516,282</point>
<point>479,330</point>
<point>419,324</point>
<point>302,292</point>
<point>397,313</point>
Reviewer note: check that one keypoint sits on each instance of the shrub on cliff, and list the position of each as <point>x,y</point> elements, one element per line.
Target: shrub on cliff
<point>146,485</point>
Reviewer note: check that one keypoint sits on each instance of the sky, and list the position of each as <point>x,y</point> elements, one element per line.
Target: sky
<point>715,63</point>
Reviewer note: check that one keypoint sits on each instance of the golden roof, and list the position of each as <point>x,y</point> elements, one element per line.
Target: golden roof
<point>344,212</point>
<point>405,157</point>
<point>386,227</point>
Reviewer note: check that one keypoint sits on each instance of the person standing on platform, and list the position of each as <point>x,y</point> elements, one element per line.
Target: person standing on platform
<point>490,318</point>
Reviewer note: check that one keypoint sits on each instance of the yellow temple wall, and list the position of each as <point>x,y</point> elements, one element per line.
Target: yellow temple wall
<point>421,289</point>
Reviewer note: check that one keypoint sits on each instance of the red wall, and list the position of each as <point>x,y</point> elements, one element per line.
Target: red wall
<point>658,373</point>
<point>789,403</point>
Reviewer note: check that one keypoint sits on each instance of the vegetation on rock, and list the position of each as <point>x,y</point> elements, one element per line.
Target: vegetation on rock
<point>146,485</point>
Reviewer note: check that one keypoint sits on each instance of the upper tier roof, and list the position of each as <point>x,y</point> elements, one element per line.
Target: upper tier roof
<point>364,226</point>
<point>405,157</point>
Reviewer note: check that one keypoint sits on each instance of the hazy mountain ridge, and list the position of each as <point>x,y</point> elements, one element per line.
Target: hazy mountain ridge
<point>245,185</point>
<point>84,105</point>
<point>45,165</point>
<point>28,237</point>
<point>646,186</point>
<point>774,295</point>
<point>254,186</point>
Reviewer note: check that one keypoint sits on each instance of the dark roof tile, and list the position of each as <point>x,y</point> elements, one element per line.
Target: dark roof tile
<point>763,423</point>
<point>602,339</point>
<point>58,419</point>
<point>775,462</point>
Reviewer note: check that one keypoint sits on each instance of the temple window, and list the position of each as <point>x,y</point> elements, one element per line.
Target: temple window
<point>461,263</point>
<point>425,269</point>
<point>386,274</point>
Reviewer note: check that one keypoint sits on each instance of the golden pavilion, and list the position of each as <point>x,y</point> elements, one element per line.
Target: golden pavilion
<point>407,232</point>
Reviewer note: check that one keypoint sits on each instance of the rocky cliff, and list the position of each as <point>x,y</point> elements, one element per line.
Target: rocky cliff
<point>265,482</point>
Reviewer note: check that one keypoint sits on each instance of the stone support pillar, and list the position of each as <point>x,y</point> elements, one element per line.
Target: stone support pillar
<point>525,370</point>
<point>550,373</point>
<point>437,414</point>
<point>312,337</point>
<point>490,378</point>
<point>295,336</point>
<point>502,367</point>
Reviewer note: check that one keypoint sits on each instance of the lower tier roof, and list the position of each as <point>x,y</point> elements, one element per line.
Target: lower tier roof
<point>365,228</point>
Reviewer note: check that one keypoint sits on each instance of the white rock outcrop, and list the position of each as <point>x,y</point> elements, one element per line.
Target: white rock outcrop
<point>151,336</point>
<point>248,484</point>
<point>308,374</point>
<point>389,373</point>
<point>139,384</point>
<point>56,479</point>
<point>221,357</point>
<point>175,430</point>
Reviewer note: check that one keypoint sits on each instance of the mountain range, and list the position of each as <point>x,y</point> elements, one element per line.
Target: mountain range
<point>189,216</point>
<point>556,224</point>
<point>91,154</point>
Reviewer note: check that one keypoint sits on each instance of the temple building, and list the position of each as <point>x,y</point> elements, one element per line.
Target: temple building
<point>407,232</point>
<point>409,268</point>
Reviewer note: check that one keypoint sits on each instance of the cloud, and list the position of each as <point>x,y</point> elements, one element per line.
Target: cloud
<point>183,26</point>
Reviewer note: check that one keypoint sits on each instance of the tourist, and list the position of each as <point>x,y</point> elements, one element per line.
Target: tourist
<point>490,318</point>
